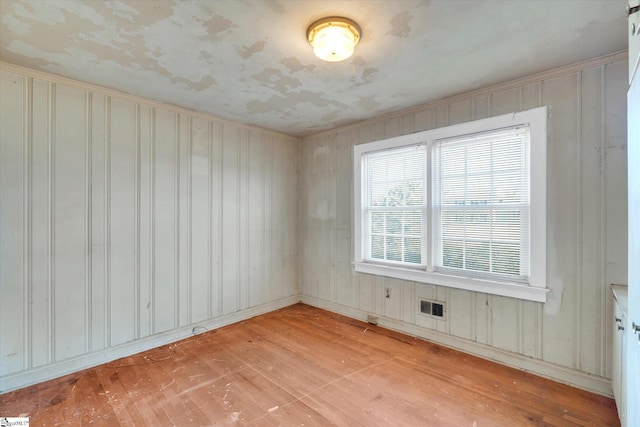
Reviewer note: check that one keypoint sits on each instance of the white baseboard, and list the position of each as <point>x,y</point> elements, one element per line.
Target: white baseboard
<point>88,360</point>
<point>573,377</point>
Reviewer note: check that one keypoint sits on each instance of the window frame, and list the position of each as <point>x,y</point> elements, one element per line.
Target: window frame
<point>535,288</point>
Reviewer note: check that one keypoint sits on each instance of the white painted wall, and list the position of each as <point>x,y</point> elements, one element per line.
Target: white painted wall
<point>568,338</point>
<point>124,223</point>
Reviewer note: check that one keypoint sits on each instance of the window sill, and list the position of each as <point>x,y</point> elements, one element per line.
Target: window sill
<point>513,290</point>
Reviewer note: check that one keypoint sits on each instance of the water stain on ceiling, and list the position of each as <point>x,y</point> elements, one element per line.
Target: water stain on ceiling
<point>249,60</point>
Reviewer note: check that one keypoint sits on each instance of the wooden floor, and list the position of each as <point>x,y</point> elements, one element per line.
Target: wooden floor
<point>305,366</point>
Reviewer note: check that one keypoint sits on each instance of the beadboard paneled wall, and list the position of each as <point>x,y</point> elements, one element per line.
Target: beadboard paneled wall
<point>123,224</point>
<point>568,337</point>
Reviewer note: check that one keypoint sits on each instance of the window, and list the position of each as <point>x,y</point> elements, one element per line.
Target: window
<point>461,206</point>
<point>395,205</point>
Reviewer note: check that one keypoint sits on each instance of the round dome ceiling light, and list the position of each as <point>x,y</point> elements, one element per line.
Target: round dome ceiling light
<point>334,38</point>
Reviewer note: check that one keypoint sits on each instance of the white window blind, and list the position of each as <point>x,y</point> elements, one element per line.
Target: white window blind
<point>481,203</point>
<point>393,205</point>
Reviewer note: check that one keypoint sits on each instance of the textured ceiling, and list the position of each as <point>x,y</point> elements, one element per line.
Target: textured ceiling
<point>250,62</point>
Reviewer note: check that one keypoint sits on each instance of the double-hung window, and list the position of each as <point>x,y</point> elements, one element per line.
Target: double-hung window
<point>462,206</point>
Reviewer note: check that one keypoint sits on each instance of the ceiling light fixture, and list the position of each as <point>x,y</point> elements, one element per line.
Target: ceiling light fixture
<point>334,38</point>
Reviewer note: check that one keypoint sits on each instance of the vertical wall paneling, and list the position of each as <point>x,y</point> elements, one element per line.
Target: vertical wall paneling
<point>230,223</point>
<point>200,225</point>
<point>184,205</point>
<point>255,218</point>
<point>125,224</point>
<point>267,218</point>
<point>12,187</point>
<point>106,301</point>
<point>586,219</point>
<point>604,306</point>
<point>69,219</point>
<point>559,326</point>
<point>145,219</point>
<point>122,214</point>
<point>576,324</point>
<point>216,219</point>
<point>176,224</point>
<point>164,239</point>
<point>28,222</point>
<point>39,223</point>
<point>342,207</point>
<point>243,221</point>
<point>136,222</point>
<point>88,292</point>
<point>591,241</point>
<point>51,231</point>
<point>481,107</point>
<point>615,152</point>
<point>332,191</point>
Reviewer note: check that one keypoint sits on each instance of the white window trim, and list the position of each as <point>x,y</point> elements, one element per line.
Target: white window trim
<point>535,290</point>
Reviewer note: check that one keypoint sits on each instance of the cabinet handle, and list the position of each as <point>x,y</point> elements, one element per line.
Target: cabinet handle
<point>618,320</point>
<point>620,328</point>
<point>636,328</point>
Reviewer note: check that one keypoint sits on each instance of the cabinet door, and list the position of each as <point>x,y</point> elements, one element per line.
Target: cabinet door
<point>616,375</point>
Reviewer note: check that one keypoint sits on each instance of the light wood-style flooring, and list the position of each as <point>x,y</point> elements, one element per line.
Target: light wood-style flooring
<point>305,366</point>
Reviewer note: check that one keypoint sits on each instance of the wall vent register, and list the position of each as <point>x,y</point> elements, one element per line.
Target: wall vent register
<point>432,308</point>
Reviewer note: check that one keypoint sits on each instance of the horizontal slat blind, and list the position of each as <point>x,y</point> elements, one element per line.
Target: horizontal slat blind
<point>393,209</point>
<point>481,203</point>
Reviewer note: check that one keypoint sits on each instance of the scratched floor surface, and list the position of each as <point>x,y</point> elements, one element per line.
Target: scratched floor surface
<point>305,366</point>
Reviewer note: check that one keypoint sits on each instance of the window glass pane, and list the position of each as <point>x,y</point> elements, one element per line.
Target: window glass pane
<point>396,194</point>
<point>377,222</point>
<point>508,188</point>
<point>413,223</point>
<point>414,193</point>
<point>478,224</point>
<point>505,258</point>
<point>452,254</point>
<point>378,194</point>
<point>506,225</point>
<point>394,248</point>
<point>477,256</point>
<point>395,167</point>
<point>453,224</point>
<point>412,248</point>
<point>393,223</point>
<point>508,155</point>
<point>377,247</point>
<point>453,191</point>
<point>478,158</point>
<point>455,165</point>
<point>377,170</point>
<point>414,167</point>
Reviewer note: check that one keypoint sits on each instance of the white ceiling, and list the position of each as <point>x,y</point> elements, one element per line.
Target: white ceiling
<point>250,62</point>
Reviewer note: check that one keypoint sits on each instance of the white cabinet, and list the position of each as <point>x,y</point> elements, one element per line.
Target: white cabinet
<point>619,348</point>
